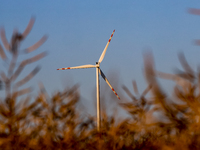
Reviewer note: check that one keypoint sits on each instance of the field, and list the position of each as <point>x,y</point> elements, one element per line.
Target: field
<point>56,123</point>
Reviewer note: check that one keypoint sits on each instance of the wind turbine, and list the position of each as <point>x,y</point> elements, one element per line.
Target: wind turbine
<point>98,71</point>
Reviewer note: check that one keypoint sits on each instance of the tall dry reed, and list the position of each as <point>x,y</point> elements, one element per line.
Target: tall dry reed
<point>55,123</point>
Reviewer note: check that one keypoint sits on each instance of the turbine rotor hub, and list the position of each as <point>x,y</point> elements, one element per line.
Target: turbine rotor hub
<point>97,64</point>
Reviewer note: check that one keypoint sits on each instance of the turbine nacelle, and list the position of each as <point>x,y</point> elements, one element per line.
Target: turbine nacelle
<point>97,64</point>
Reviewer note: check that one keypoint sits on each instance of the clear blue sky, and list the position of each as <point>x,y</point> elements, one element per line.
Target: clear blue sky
<point>79,30</point>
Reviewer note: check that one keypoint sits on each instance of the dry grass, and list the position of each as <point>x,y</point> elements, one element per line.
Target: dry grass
<point>55,123</point>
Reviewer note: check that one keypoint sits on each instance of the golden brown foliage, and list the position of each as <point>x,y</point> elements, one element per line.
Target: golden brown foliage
<point>158,121</point>
<point>55,123</point>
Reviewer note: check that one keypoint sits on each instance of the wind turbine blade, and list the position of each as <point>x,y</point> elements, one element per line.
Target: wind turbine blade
<point>104,51</point>
<point>104,77</point>
<point>78,67</point>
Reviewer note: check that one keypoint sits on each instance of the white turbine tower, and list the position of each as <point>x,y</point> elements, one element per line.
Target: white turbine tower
<point>98,70</point>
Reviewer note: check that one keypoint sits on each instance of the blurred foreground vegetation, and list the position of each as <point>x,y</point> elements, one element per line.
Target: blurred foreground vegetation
<point>56,123</point>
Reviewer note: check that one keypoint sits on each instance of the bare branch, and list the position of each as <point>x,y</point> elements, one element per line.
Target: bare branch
<point>26,62</point>
<point>3,76</point>
<point>185,64</point>
<point>23,91</point>
<point>135,88</point>
<point>197,42</point>
<point>2,54</point>
<point>36,45</point>
<point>129,93</point>
<point>146,90</point>
<point>28,77</point>
<point>4,39</point>
<point>150,75</point>
<point>194,11</point>
<point>28,28</point>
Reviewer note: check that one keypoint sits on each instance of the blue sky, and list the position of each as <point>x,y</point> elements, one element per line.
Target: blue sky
<point>79,30</point>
